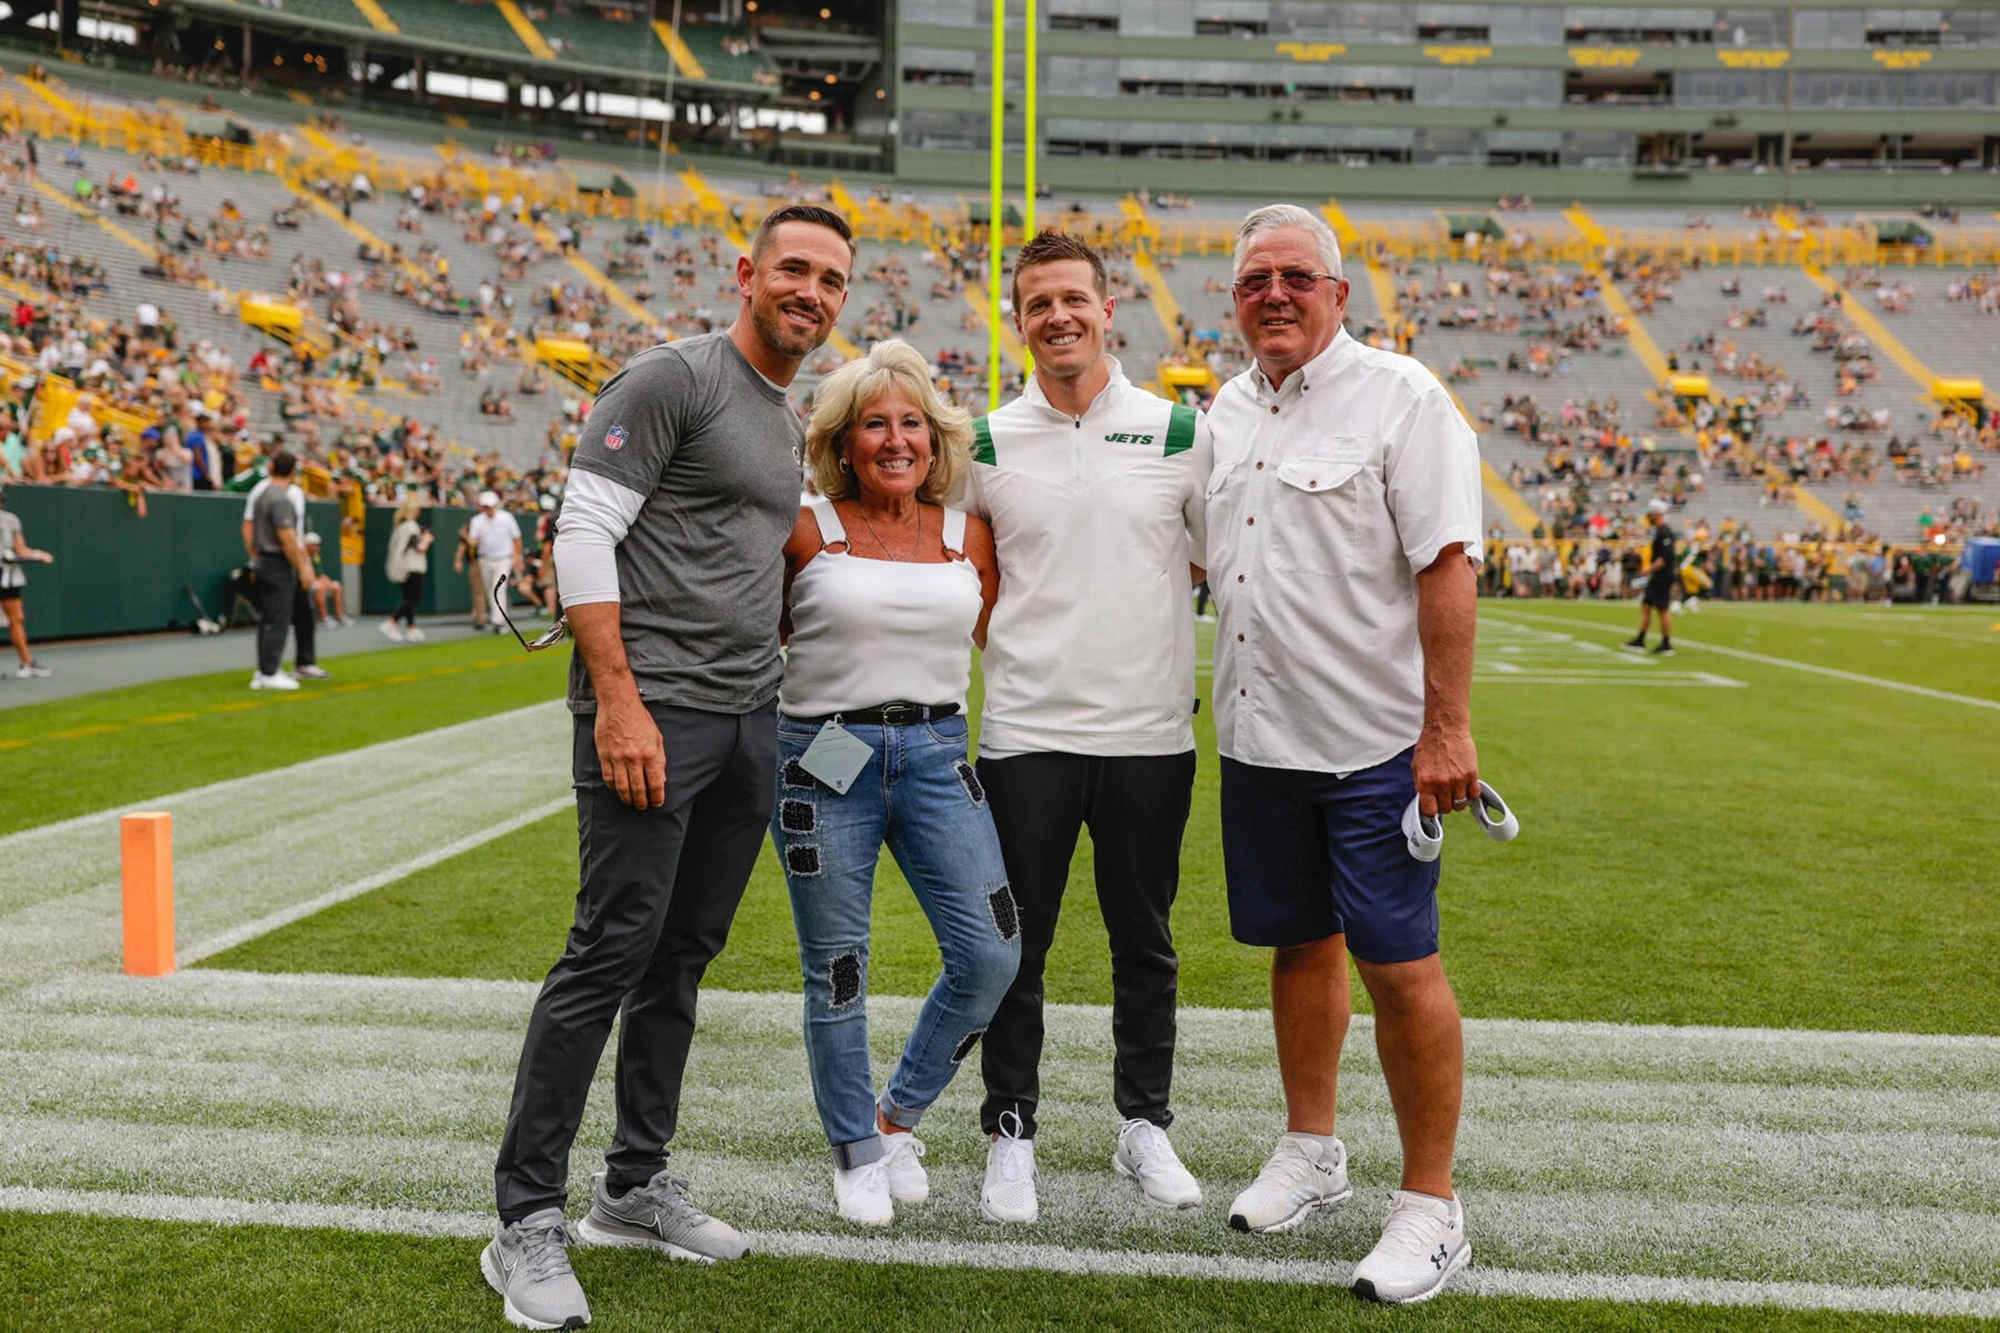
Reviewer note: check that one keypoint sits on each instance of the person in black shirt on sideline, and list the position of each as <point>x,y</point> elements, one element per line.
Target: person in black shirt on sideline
<point>1662,574</point>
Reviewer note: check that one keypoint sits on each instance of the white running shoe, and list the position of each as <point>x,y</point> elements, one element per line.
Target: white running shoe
<point>278,680</point>
<point>32,671</point>
<point>1423,1243</point>
<point>346,622</point>
<point>392,631</point>
<point>1145,1156</point>
<point>1009,1192</point>
<point>908,1182</point>
<point>1423,834</point>
<point>413,634</point>
<point>862,1194</point>
<point>1302,1177</point>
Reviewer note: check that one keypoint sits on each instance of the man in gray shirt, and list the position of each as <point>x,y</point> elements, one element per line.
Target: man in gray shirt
<point>670,559</point>
<point>283,567</point>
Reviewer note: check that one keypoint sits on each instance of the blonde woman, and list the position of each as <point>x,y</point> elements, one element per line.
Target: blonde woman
<point>409,556</point>
<point>886,592</point>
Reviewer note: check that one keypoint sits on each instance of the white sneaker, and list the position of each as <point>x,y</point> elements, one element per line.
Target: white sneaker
<point>908,1182</point>
<point>392,631</point>
<point>1423,1243</point>
<point>862,1194</point>
<point>1301,1177</point>
<point>276,681</point>
<point>346,622</point>
<point>32,671</point>
<point>1145,1156</point>
<point>413,634</point>
<point>1009,1192</point>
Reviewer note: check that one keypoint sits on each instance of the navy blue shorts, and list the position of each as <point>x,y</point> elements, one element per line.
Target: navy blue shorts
<point>1309,855</point>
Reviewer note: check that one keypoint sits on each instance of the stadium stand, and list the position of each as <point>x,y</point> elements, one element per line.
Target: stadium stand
<point>424,280</point>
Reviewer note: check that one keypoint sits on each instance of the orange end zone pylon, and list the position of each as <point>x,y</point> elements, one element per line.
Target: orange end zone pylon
<point>148,863</point>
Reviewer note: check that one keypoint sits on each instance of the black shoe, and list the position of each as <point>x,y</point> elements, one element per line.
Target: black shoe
<point>1637,645</point>
<point>1664,650</point>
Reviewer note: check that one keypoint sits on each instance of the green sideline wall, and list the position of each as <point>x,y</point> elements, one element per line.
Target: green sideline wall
<point>117,573</point>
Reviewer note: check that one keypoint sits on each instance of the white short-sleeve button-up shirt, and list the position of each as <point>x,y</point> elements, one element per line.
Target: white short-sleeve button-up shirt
<point>1328,495</point>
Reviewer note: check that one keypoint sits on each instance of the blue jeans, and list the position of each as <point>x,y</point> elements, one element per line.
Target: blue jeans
<point>920,796</point>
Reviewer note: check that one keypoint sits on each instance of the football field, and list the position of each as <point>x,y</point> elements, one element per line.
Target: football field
<point>1733,1032</point>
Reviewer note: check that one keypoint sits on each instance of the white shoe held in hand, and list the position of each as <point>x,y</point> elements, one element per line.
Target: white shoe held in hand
<point>1145,1155</point>
<point>1423,834</point>
<point>1009,1192</point>
<point>1423,1243</point>
<point>902,1157</point>
<point>1494,816</point>
<point>1302,1177</point>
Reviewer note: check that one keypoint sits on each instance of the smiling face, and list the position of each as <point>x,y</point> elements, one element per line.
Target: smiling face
<point>1060,315</point>
<point>797,288</point>
<point>1284,329</point>
<point>888,447</point>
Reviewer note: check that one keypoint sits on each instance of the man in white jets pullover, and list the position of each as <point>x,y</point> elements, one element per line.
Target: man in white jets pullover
<point>1094,490</point>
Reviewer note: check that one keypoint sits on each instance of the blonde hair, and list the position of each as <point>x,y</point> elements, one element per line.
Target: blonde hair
<point>891,364</point>
<point>407,511</point>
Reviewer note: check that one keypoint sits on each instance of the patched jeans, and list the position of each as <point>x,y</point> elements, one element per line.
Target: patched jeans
<point>920,797</point>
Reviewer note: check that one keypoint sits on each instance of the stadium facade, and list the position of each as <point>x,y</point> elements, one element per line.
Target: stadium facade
<point>1617,101</point>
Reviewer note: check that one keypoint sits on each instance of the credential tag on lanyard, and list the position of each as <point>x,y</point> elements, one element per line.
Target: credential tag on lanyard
<point>836,756</point>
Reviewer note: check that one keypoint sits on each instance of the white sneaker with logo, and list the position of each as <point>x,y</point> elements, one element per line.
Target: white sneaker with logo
<point>901,1157</point>
<point>1423,1243</point>
<point>862,1193</point>
<point>1145,1155</point>
<point>1302,1177</point>
<point>277,680</point>
<point>1009,1192</point>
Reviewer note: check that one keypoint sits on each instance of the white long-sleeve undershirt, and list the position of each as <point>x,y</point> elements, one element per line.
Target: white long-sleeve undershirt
<point>596,514</point>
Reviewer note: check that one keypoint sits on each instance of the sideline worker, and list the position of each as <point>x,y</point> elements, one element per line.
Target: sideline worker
<point>682,494</point>
<point>15,551</point>
<point>494,537</point>
<point>1093,489</point>
<point>1344,537</point>
<point>305,655</point>
<point>283,569</point>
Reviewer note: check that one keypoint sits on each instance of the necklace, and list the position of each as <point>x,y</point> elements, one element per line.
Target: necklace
<point>915,546</point>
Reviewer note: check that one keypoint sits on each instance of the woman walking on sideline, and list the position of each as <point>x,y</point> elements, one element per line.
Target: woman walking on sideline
<point>409,556</point>
<point>887,591</point>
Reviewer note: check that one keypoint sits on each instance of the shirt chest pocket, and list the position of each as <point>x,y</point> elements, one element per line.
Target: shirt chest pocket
<point>1317,514</point>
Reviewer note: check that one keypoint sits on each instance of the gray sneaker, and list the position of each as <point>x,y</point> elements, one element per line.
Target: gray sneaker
<point>528,1264</point>
<point>659,1215</point>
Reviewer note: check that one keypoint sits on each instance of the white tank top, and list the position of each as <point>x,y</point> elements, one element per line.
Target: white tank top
<point>871,632</point>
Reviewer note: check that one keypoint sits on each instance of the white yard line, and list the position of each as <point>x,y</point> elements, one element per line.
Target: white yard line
<point>255,852</point>
<point>1013,1257</point>
<point>264,925</point>
<point>1765,659</point>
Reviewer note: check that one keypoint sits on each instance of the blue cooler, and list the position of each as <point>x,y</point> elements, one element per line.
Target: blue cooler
<point>1982,557</point>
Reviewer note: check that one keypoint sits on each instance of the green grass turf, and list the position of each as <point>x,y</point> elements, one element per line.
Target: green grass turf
<point>98,750</point>
<point>1803,852</point>
<point>151,1277</point>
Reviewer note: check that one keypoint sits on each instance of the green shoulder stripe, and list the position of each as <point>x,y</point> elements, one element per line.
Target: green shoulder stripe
<point>982,441</point>
<point>1180,430</point>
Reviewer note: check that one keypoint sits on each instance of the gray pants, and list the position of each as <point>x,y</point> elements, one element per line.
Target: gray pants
<point>659,890</point>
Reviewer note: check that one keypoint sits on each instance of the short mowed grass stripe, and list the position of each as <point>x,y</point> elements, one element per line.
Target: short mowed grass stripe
<point>117,746</point>
<point>163,1277</point>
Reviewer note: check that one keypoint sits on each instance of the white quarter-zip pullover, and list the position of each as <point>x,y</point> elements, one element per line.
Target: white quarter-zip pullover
<point>1095,520</point>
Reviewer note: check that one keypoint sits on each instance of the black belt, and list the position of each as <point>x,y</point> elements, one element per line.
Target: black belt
<point>886,715</point>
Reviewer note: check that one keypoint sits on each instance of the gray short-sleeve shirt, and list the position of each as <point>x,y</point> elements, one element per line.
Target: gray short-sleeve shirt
<point>715,448</point>
<point>271,514</point>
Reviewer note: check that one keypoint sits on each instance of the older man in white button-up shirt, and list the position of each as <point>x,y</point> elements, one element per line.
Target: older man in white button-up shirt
<point>1344,535</point>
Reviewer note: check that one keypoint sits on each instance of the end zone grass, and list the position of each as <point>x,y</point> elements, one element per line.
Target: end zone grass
<point>1793,851</point>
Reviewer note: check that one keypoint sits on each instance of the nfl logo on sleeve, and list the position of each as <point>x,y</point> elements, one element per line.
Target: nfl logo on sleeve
<point>614,439</point>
